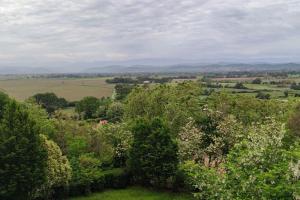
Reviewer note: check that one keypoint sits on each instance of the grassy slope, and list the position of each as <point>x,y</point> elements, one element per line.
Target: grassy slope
<point>134,193</point>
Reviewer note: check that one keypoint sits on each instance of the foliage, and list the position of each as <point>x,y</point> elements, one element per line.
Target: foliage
<point>240,86</point>
<point>115,112</point>
<point>87,107</point>
<point>122,90</point>
<point>262,95</point>
<point>248,109</point>
<point>174,103</point>
<point>259,167</point>
<point>153,156</point>
<point>294,122</point>
<point>50,101</point>
<point>119,138</point>
<point>295,86</point>
<point>58,168</point>
<point>22,156</point>
<point>211,142</point>
<point>257,81</point>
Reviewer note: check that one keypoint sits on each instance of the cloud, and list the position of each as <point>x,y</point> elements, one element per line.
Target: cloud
<point>35,32</point>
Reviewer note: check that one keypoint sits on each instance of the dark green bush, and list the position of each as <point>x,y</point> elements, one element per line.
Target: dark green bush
<point>115,178</point>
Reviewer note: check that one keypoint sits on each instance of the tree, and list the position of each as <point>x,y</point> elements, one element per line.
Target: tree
<point>295,86</point>
<point>58,168</point>
<point>87,107</point>
<point>257,81</point>
<point>286,93</point>
<point>258,167</point>
<point>153,156</point>
<point>50,101</point>
<point>22,156</point>
<point>173,103</point>
<point>115,112</point>
<point>261,95</point>
<point>122,90</point>
<point>240,86</point>
<point>294,122</point>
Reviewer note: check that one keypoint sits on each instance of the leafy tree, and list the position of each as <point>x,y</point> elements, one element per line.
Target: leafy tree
<point>122,90</point>
<point>211,142</point>
<point>286,93</point>
<point>295,86</point>
<point>248,109</point>
<point>175,104</point>
<point>115,112</point>
<point>240,86</point>
<point>294,122</point>
<point>258,167</point>
<point>257,81</point>
<point>116,135</point>
<point>58,168</point>
<point>261,95</point>
<point>4,99</point>
<point>153,156</point>
<point>22,156</point>
<point>50,101</point>
<point>87,107</point>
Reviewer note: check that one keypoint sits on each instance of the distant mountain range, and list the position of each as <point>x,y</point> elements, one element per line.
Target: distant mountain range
<point>137,68</point>
<point>189,68</point>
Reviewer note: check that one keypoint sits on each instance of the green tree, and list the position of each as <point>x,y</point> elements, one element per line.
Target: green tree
<point>240,86</point>
<point>22,156</point>
<point>115,112</point>
<point>294,122</point>
<point>153,156</point>
<point>262,95</point>
<point>173,103</point>
<point>58,168</point>
<point>122,90</point>
<point>257,81</point>
<point>88,107</point>
<point>50,101</point>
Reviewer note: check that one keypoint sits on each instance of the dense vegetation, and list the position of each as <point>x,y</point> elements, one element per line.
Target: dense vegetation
<point>178,137</point>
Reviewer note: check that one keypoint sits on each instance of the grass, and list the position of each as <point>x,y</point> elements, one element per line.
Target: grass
<point>134,193</point>
<point>71,89</point>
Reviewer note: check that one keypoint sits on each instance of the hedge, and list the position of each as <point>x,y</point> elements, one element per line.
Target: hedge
<point>116,178</point>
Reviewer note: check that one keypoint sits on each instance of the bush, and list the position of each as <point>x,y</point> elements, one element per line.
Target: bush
<point>115,178</point>
<point>153,157</point>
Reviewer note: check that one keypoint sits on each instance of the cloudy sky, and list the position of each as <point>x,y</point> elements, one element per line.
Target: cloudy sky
<point>66,32</point>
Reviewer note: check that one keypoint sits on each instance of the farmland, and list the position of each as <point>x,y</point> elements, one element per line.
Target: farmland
<point>71,89</point>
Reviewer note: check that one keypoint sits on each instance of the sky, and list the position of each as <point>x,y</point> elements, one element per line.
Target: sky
<point>60,33</point>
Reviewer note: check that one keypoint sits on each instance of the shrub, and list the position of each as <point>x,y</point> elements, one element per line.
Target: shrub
<point>153,157</point>
<point>114,178</point>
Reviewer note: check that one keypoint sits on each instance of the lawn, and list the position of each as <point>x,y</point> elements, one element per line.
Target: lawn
<point>71,89</point>
<point>134,193</point>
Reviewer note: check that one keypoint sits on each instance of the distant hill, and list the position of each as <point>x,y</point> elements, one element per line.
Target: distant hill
<point>147,68</point>
<point>194,68</point>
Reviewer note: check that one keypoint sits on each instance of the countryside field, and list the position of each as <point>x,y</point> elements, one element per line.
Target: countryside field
<point>71,89</point>
<point>134,193</point>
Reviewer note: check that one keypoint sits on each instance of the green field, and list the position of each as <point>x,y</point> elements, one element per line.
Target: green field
<point>71,89</point>
<point>134,193</point>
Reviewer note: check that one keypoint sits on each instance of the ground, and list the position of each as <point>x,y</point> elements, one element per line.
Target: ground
<point>134,193</point>
<point>71,89</point>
